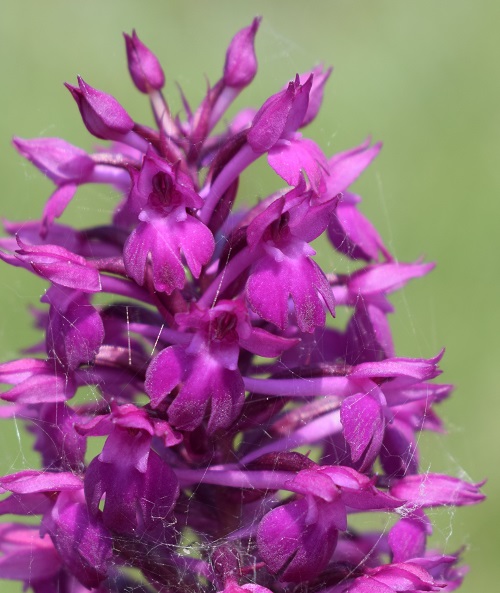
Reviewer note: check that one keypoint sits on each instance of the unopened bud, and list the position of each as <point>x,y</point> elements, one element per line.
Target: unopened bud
<point>143,65</point>
<point>102,115</point>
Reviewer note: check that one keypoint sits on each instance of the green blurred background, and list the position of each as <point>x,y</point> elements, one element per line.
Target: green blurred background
<point>421,76</point>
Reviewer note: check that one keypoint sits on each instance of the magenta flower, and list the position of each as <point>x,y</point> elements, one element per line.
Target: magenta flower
<point>240,426</point>
<point>164,195</point>
<point>139,490</point>
<point>205,369</point>
<point>279,238</point>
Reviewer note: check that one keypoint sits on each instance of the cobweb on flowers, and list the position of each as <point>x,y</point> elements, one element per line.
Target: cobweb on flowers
<point>192,545</point>
<point>99,203</point>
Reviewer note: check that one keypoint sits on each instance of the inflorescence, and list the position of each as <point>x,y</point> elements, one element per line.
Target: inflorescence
<point>242,427</point>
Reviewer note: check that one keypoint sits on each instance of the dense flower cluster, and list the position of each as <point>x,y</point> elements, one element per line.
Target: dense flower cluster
<point>242,428</point>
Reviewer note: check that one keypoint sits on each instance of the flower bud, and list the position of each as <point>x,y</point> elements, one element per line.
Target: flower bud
<point>102,115</point>
<point>143,65</point>
<point>241,62</point>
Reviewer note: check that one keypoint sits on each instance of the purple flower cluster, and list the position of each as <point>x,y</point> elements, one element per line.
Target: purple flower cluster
<point>242,428</point>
